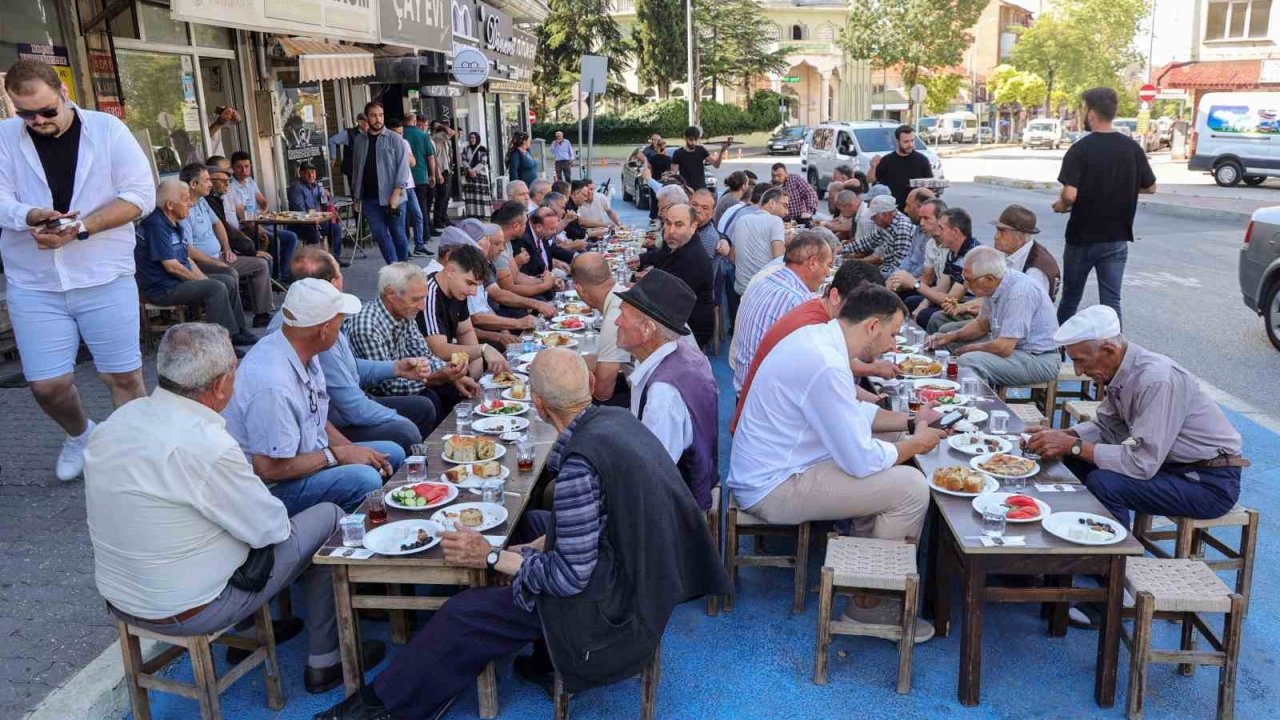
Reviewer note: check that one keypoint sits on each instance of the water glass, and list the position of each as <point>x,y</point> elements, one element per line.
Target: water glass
<point>352,530</point>
<point>995,328</point>
<point>993,521</point>
<point>971,386</point>
<point>587,342</point>
<point>999,424</point>
<point>463,412</point>
<point>944,359</point>
<point>899,403</point>
<point>1016,485</point>
<point>416,465</point>
<point>491,490</point>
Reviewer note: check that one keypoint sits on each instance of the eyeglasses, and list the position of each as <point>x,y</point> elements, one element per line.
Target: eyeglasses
<point>47,113</point>
<point>313,402</point>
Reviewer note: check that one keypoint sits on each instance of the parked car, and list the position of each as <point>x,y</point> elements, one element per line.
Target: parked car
<point>853,143</point>
<point>1046,132</point>
<point>1237,137</point>
<point>1260,269</point>
<point>788,140</point>
<point>928,129</point>
<point>1149,141</point>
<point>985,135</point>
<point>634,190</point>
<point>957,127</point>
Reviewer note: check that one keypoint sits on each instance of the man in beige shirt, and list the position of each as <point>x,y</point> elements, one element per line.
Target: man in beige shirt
<point>596,287</point>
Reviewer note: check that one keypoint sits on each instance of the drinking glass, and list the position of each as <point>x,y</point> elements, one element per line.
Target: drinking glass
<point>491,490</point>
<point>377,507</point>
<point>587,342</point>
<point>492,394</point>
<point>525,451</point>
<point>352,530</point>
<point>899,403</point>
<point>971,386</point>
<point>1016,485</point>
<point>416,465</point>
<point>944,359</point>
<point>999,424</point>
<point>995,328</point>
<point>993,521</point>
<point>463,412</point>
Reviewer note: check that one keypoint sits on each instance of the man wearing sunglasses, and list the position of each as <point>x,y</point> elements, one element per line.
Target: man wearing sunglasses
<point>71,182</point>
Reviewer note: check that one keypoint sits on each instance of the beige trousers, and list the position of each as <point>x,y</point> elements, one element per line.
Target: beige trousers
<point>889,505</point>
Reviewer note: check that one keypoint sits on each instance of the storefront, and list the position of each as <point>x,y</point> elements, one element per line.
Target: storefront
<point>36,30</point>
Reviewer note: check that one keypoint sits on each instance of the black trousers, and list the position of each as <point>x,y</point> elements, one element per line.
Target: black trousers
<point>219,295</point>
<point>440,206</point>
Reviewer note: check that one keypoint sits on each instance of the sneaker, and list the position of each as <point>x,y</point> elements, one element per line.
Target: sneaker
<point>244,339</point>
<point>883,621</point>
<point>71,458</point>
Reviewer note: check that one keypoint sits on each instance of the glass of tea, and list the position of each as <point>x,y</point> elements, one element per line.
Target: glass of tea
<point>524,454</point>
<point>416,465</point>
<point>377,507</point>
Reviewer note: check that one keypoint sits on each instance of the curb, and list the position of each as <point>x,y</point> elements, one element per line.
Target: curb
<point>1156,207</point>
<point>966,149</point>
<point>96,692</point>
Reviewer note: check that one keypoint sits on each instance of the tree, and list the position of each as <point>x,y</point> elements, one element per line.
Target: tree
<point>573,28</point>
<point>659,37</point>
<point>1080,44</point>
<point>942,88</point>
<point>1015,89</point>
<point>914,34</point>
<point>731,47</point>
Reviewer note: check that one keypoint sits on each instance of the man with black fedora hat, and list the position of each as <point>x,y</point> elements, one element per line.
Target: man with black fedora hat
<point>672,389</point>
<point>1014,237</point>
<point>689,262</point>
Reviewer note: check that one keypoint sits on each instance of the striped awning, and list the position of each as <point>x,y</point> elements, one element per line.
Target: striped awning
<point>323,60</point>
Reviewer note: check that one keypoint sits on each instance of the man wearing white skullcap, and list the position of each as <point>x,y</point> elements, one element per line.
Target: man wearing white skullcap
<point>1159,445</point>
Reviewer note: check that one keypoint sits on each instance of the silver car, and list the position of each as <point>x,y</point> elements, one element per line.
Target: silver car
<point>635,191</point>
<point>1260,269</point>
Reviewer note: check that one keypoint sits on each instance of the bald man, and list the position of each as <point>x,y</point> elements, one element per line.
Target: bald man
<point>611,364</point>
<point>690,262</point>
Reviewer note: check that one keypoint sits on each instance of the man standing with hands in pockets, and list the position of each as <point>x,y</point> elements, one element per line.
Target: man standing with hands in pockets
<point>70,264</point>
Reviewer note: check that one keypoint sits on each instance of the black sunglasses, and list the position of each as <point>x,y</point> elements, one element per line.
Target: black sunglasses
<point>47,113</point>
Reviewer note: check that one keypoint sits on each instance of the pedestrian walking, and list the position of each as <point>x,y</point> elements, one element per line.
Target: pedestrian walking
<point>72,181</point>
<point>424,172</point>
<point>477,191</point>
<point>562,152</point>
<point>1102,175</point>
<point>380,165</point>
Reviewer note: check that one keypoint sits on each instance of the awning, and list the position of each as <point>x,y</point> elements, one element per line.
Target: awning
<point>321,60</point>
<point>1209,75</point>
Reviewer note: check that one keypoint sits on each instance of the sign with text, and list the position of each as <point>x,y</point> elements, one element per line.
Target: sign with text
<point>54,56</point>
<point>470,66</point>
<point>343,19</point>
<point>493,32</point>
<point>303,134</point>
<point>421,24</point>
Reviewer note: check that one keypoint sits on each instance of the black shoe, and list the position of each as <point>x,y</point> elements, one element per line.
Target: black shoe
<point>531,669</point>
<point>284,631</point>
<point>244,338</point>
<point>322,680</point>
<point>1085,615</point>
<point>261,320</point>
<point>239,353</point>
<point>362,705</point>
<point>344,263</point>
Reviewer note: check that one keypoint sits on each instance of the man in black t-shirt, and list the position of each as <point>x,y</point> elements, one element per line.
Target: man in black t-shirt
<point>1102,175</point>
<point>690,160</point>
<point>446,322</point>
<point>896,170</point>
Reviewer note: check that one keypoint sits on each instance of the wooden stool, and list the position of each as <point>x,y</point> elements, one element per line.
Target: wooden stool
<point>1067,374</point>
<point>1078,411</point>
<point>1050,390</point>
<point>648,690</point>
<point>868,564</point>
<point>741,522</point>
<point>1028,413</point>
<point>143,676</point>
<point>1180,590</point>
<point>158,318</point>
<point>1191,535</point>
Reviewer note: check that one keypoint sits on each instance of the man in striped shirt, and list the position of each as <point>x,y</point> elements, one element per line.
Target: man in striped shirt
<point>806,260</point>
<point>889,245</point>
<point>804,199</point>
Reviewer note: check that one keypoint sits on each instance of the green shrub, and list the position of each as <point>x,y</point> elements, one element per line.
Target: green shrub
<point>669,118</point>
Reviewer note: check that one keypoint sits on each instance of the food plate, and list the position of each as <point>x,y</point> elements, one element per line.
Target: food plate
<point>499,425</point>
<point>557,339</point>
<point>392,538</point>
<point>498,452</point>
<point>979,444</point>
<point>916,366</point>
<point>493,515</point>
<point>972,414</point>
<point>982,502</point>
<point>397,497</point>
<point>935,383</point>
<point>577,308</point>
<point>989,484</point>
<point>568,323</point>
<point>1065,524</point>
<point>472,482</point>
<point>503,379</point>
<point>947,403</point>
<point>510,394</point>
<point>1003,465</point>
<point>502,408</point>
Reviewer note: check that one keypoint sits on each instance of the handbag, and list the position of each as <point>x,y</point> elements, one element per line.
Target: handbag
<point>255,571</point>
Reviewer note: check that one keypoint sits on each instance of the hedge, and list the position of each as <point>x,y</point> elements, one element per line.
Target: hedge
<point>670,117</point>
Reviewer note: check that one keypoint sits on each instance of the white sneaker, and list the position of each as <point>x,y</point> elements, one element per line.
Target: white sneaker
<point>71,459</point>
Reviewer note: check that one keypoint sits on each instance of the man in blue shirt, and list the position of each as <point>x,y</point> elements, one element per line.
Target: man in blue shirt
<point>307,194</point>
<point>562,152</point>
<point>166,275</point>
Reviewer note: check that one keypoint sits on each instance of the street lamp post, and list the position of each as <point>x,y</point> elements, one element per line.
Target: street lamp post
<point>692,94</point>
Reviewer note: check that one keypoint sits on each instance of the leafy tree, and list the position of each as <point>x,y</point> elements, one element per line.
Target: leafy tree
<point>1079,44</point>
<point>1021,89</point>
<point>659,37</point>
<point>917,35</point>
<point>942,89</point>
<point>732,37</point>
<point>574,28</point>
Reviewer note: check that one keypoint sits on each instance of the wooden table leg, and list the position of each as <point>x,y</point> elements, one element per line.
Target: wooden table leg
<point>348,632</point>
<point>930,548</point>
<point>487,682</point>
<point>1104,684</point>
<point>943,566</point>
<point>1058,611</point>
<point>400,629</point>
<point>973,583</point>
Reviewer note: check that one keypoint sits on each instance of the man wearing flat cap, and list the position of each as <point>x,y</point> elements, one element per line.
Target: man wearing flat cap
<point>890,244</point>
<point>307,195</point>
<point>1015,237</point>
<point>672,389</point>
<point>1160,445</point>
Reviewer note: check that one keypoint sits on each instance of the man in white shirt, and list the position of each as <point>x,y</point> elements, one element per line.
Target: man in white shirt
<point>611,364</point>
<point>174,509</point>
<point>805,447</point>
<point>596,211</point>
<point>71,183</point>
<point>758,237</point>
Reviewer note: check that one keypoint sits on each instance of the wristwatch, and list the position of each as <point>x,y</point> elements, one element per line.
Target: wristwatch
<point>917,285</point>
<point>911,426</point>
<point>1077,448</point>
<point>491,560</point>
<point>330,460</point>
<point>84,232</point>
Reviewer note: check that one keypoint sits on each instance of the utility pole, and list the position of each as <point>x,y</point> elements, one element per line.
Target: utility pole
<point>692,93</point>
<point>1151,40</point>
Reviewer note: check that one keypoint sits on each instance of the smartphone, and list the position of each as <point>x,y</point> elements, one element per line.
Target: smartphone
<point>949,419</point>
<point>58,223</point>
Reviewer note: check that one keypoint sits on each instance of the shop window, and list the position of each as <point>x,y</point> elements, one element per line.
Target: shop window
<point>30,21</point>
<point>125,25</point>
<point>1237,19</point>
<point>158,27</point>
<point>160,109</point>
<point>214,37</point>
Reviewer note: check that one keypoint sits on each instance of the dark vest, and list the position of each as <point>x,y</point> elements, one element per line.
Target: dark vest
<point>655,552</point>
<point>348,152</point>
<point>1043,260</point>
<point>688,371</point>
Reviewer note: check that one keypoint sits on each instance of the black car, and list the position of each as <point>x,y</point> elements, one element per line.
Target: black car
<point>787,140</point>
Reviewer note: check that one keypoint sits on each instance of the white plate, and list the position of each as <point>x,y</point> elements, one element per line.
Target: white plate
<point>957,400</point>
<point>524,408</point>
<point>487,381</point>
<point>940,382</point>
<point>526,358</point>
<point>521,368</point>
<point>494,515</point>
<point>1059,524</point>
<point>506,395</point>
<point>972,414</point>
<point>499,424</point>
<point>997,498</point>
<point>982,458</point>
<point>956,443</point>
<point>896,358</point>
<point>498,452</point>
<point>989,484</point>
<point>449,497</point>
<point>571,343</point>
<point>386,540</point>
<point>473,482</point>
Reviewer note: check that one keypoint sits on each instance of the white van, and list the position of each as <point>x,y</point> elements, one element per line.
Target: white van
<point>1237,137</point>
<point>852,143</point>
<point>1045,132</point>
<point>957,127</point>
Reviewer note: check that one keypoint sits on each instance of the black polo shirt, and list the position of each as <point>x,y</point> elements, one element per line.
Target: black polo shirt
<point>443,314</point>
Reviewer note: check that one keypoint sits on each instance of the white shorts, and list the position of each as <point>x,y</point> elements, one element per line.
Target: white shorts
<point>48,326</point>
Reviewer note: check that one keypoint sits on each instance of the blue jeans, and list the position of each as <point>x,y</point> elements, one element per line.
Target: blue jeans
<point>1107,259</point>
<point>310,235</point>
<point>344,486</point>
<point>414,218</point>
<point>388,231</point>
<point>1174,491</point>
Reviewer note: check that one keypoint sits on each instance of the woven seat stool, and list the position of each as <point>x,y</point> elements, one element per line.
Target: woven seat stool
<point>1191,535</point>
<point>885,566</point>
<point>649,678</point>
<point>1078,411</point>
<point>140,676</point>
<point>1028,413</point>
<point>1050,390</point>
<point>1180,590</point>
<point>741,522</point>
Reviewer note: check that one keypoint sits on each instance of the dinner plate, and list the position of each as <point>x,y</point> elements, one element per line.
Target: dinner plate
<point>972,414</point>
<point>526,358</point>
<point>559,325</point>
<point>948,403</point>
<point>448,498</point>
<point>989,484</point>
<point>933,381</point>
<point>571,343</point>
<point>500,424</point>
<point>387,539</point>
<point>1060,524</point>
<point>494,515</point>
<point>487,381</point>
<point>498,452</point>
<point>975,462</point>
<point>957,442</point>
<point>521,368</point>
<point>472,482</point>
<point>524,408</point>
<point>507,394</point>
<point>899,357</point>
<point>981,502</point>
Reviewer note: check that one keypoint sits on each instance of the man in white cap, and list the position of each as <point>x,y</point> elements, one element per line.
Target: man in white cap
<point>1159,445</point>
<point>890,244</point>
<point>279,412</point>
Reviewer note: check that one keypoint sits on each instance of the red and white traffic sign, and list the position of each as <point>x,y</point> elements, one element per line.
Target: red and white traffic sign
<point>1147,93</point>
<point>533,117</point>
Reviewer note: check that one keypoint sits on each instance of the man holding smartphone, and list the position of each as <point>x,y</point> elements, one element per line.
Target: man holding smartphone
<point>71,183</point>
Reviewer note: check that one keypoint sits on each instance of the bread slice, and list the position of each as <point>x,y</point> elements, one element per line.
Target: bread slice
<point>462,448</point>
<point>456,474</point>
<point>487,469</point>
<point>484,448</point>
<point>459,358</point>
<point>471,517</point>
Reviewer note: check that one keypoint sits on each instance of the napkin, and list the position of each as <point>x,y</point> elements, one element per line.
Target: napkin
<point>496,540</point>
<point>1006,541</point>
<point>1057,487</point>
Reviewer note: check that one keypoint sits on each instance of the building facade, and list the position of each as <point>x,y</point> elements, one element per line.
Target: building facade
<point>1233,47</point>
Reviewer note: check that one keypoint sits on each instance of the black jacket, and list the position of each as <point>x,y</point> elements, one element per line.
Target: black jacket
<point>655,553</point>
<point>693,265</point>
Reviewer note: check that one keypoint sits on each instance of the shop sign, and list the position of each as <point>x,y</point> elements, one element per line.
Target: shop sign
<point>302,135</point>
<point>470,66</point>
<point>444,91</point>
<point>55,56</point>
<point>342,19</point>
<point>106,85</point>
<point>510,48</point>
<point>423,24</point>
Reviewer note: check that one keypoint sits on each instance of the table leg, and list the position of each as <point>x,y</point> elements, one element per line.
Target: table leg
<point>275,251</point>
<point>930,548</point>
<point>1058,610</point>
<point>348,631</point>
<point>400,619</point>
<point>943,565</point>
<point>487,682</point>
<point>1104,688</point>
<point>974,582</point>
